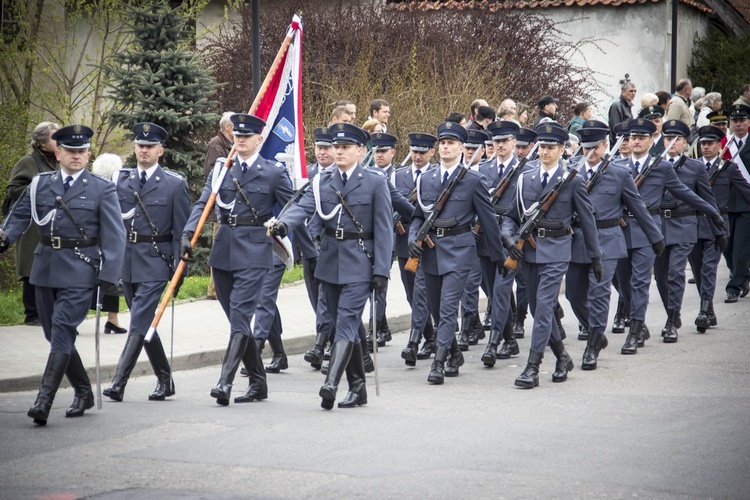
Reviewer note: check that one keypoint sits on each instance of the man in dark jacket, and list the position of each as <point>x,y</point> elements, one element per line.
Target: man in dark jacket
<point>547,109</point>
<point>622,109</point>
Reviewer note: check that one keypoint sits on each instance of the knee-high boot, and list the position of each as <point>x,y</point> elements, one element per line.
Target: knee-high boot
<point>235,350</point>
<point>57,362</point>
<point>128,358</point>
<point>162,370</point>
<point>79,380</point>
<point>355,376</point>
<point>257,388</point>
<point>340,354</point>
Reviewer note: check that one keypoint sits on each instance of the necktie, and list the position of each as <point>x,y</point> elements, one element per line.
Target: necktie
<point>416,175</point>
<point>544,179</point>
<point>67,183</point>
<point>591,173</point>
<point>344,178</point>
<point>708,166</point>
<point>143,178</point>
<point>500,167</point>
<point>671,160</point>
<point>739,144</point>
<point>445,178</point>
<point>244,167</point>
<point>637,168</point>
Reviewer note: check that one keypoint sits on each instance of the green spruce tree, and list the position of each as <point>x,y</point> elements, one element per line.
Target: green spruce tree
<point>159,79</point>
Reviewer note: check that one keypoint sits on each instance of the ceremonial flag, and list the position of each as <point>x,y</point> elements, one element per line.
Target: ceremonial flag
<point>281,108</point>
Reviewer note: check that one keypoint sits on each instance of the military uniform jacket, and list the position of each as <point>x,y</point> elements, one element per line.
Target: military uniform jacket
<point>403,181</point>
<point>165,197</point>
<point>344,261</point>
<point>658,146</point>
<point>468,200</point>
<point>685,229</point>
<point>399,202</point>
<point>729,183</point>
<point>244,247</point>
<point>93,201</point>
<point>652,191</point>
<point>611,194</point>
<point>737,202</point>
<point>572,198</point>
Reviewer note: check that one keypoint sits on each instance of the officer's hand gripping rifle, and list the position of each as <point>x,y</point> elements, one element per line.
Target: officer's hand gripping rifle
<point>605,163</point>
<point>723,163</point>
<point>641,177</point>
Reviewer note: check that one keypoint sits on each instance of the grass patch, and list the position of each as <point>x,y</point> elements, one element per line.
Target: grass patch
<point>11,307</point>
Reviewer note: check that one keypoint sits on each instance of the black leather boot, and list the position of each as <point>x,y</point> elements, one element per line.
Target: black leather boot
<point>455,360</point>
<point>712,321</point>
<point>490,352</point>
<point>583,332</point>
<point>409,354</point>
<point>437,372</point>
<point>702,320</point>
<point>594,345</point>
<point>79,380</point>
<point>463,336</point>
<point>162,370</point>
<point>670,329</point>
<point>510,346</point>
<point>340,356</point>
<point>479,326</point>
<point>279,361</point>
<point>368,338</point>
<point>315,355</point>
<point>487,321</point>
<point>369,363</point>
<point>559,315</point>
<point>518,320</point>
<point>475,330</point>
<point>128,358</point>
<point>564,362</point>
<point>618,324</point>
<point>257,388</point>
<point>429,347</point>
<point>57,362</point>
<point>355,376</point>
<point>529,378</point>
<point>236,348</point>
<point>643,335</point>
<point>631,342</point>
<point>384,333</point>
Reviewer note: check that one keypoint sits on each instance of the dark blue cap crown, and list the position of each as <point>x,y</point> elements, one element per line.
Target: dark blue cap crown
<point>246,124</point>
<point>739,110</point>
<point>641,126</point>
<point>525,136</point>
<point>717,116</point>
<point>592,132</point>
<point>622,128</point>
<point>346,133</point>
<point>476,137</point>
<point>710,133</point>
<point>502,129</point>
<point>147,133</point>
<point>672,128</point>
<point>323,136</point>
<point>74,136</point>
<point>452,130</point>
<point>651,112</point>
<point>551,133</point>
<point>421,142</point>
<point>381,140</point>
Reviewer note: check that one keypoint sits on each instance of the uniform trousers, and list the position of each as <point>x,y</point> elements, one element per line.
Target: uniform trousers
<point>311,283</point>
<point>543,287</point>
<point>238,293</point>
<point>704,260</point>
<point>470,295</point>
<point>346,304</point>
<point>669,274</point>
<point>443,295</point>
<point>267,314</point>
<point>599,296</point>
<point>634,276</point>
<point>323,319</point>
<point>737,253</point>
<point>577,291</point>
<point>142,299</point>
<point>502,293</point>
<point>61,311</point>
<point>489,273</point>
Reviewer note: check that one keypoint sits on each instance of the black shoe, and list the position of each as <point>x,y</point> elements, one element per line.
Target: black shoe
<point>712,321</point>
<point>463,336</point>
<point>110,327</point>
<point>518,329</point>
<point>128,358</point>
<point>583,332</point>
<point>455,360</point>
<point>490,352</point>
<point>257,388</point>
<point>508,349</point>
<point>529,378</point>
<point>57,362</point>
<point>279,361</point>
<point>745,288</point>
<point>643,335</point>
<point>731,298</point>
<point>428,347</point>
<point>596,342</point>
<point>564,362</point>
<point>236,348</point>
<point>315,355</point>
<point>618,324</point>
<point>691,281</point>
<point>355,377</point>
<point>384,333</point>
<point>476,331</point>
<point>340,356</point>
<point>701,322</point>
<point>631,342</point>
<point>437,372</point>
<point>670,330</point>
<point>409,353</point>
<point>160,365</point>
<point>83,398</point>
<point>487,321</point>
<point>33,321</point>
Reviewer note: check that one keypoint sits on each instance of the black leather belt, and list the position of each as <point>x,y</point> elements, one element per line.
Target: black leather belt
<point>233,221</point>
<point>541,232</point>
<point>674,214</point>
<point>652,211</point>
<point>440,232</point>
<point>148,238</point>
<point>500,210</point>
<point>600,224</point>
<point>57,242</point>
<point>340,234</point>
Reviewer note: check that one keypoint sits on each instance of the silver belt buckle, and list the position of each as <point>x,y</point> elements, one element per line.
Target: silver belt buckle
<point>133,237</point>
<point>541,232</point>
<point>56,242</point>
<point>440,232</point>
<point>232,220</point>
<point>667,213</point>
<point>339,233</point>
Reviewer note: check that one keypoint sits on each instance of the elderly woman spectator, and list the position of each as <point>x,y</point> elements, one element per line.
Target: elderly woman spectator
<point>712,102</point>
<point>649,99</point>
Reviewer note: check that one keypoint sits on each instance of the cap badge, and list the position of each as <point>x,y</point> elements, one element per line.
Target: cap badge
<point>242,118</point>
<point>640,121</point>
<point>548,129</point>
<point>672,123</point>
<point>341,126</point>
<point>449,125</point>
<point>77,129</point>
<point>146,128</point>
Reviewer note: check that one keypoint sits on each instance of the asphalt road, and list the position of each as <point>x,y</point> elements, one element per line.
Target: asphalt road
<point>670,422</point>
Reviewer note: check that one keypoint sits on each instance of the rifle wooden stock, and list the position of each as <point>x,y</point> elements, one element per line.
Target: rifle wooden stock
<point>512,263</point>
<point>400,229</point>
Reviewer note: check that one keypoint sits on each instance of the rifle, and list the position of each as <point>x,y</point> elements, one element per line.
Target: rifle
<point>641,177</point>
<point>723,163</point>
<point>539,209</point>
<point>605,163</point>
<point>502,186</point>
<point>423,234</point>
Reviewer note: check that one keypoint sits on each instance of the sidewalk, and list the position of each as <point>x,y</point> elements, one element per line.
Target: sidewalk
<point>201,332</point>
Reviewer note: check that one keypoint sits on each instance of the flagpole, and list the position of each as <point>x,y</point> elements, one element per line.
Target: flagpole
<point>212,198</point>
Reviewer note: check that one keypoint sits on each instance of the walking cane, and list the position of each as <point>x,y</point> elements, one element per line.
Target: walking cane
<point>374,310</point>
<point>96,347</point>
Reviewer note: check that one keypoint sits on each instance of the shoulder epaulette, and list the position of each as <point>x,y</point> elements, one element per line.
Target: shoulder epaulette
<point>175,174</point>
<point>374,171</point>
<point>97,176</point>
<point>53,172</point>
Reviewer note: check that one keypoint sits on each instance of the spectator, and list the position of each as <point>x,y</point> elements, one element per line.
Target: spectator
<point>485,115</point>
<point>664,99</point>
<point>372,126</point>
<point>582,112</point>
<point>457,117</point>
<point>40,159</point>
<point>547,109</point>
<point>712,102</point>
<point>474,109</point>
<point>679,108</point>
<point>351,108</point>
<point>696,95</point>
<point>105,165</point>
<point>218,147</point>
<point>522,113</point>
<point>744,97</point>
<point>649,99</point>
<point>381,111</point>
<point>340,115</point>
<point>506,114</point>
<point>622,109</point>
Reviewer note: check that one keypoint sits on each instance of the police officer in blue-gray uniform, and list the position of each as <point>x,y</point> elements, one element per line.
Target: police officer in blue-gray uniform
<point>448,264</point>
<point>612,191</point>
<point>356,245</point>
<point>82,242</point>
<point>545,265</point>
<point>241,256</point>
<point>680,227</point>
<point>724,178</point>
<point>472,329</point>
<point>422,148</point>
<point>155,205</point>
<point>634,272</point>
<point>655,114</point>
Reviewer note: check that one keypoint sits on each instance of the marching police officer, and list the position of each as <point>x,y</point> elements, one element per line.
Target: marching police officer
<point>155,205</point>
<point>242,255</point>
<point>545,265</point>
<point>448,264</point>
<point>655,114</point>
<point>82,242</point>
<point>357,244</point>
<point>738,251</point>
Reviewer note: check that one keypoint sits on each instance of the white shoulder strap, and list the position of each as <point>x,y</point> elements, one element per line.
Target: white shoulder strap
<point>318,208</point>
<point>424,208</point>
<point>217,177</point>
<point>32,194</point>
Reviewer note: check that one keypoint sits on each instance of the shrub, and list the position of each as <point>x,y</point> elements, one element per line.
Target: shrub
<point>717,62</point>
